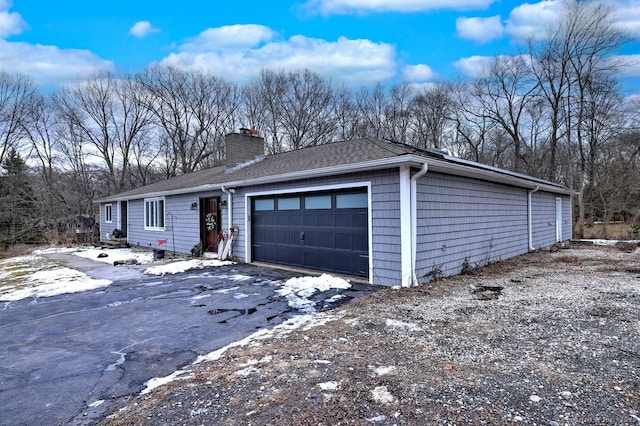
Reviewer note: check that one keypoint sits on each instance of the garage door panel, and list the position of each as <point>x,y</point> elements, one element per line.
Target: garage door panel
<point>360,243</point>
<point>264,235</point>
<point>265,253</point>
<point>326,240</point>
<point>311,220</point>
<point>344,220</point>
<point>325,219</point>
<point>360,220</point>
<point>264,219</point>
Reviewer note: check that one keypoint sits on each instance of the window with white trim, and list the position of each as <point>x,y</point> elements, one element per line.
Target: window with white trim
<point>108,213</point>
<point>154,214</point>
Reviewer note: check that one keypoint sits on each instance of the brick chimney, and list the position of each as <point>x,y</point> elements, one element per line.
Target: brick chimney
<point>242,147</point>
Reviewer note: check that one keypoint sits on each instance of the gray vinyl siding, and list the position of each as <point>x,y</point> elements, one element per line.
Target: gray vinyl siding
<point>385,216</point>
<point>461,219</point>
<point>543,214</point>
<point>458,220</point>
<point>106,228</point>
<point>181,227</point>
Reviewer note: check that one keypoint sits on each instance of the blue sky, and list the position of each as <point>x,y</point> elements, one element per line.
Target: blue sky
<point>356,42</point>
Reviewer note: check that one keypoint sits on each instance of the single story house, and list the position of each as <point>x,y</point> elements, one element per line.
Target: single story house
<point>390,213</point>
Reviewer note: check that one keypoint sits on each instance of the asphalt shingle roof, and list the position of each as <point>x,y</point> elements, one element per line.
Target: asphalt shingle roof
<point>316,157</point>
<point>335,154</point>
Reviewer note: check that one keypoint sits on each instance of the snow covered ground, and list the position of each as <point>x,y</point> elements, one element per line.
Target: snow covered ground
<point>34,276</point>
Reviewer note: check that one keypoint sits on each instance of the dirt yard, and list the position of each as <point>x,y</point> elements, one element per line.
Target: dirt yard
<point>543,339</point>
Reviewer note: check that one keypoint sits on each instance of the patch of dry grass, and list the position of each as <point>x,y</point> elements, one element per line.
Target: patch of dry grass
<point>17,250</point>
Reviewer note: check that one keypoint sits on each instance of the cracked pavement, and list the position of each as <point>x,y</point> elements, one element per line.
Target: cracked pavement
<point>72,358</point>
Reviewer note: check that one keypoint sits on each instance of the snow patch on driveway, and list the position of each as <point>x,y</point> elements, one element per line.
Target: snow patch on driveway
<point>298,290</point>
<point>185,265</point>
<point>115,255</point>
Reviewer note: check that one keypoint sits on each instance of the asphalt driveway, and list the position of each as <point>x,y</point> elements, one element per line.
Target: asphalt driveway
<point>69,359</point>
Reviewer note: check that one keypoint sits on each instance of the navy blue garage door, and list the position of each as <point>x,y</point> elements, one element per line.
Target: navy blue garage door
<point>327,231</point>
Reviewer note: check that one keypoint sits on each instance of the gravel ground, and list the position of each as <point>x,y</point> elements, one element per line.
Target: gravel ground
<point>548,338</point>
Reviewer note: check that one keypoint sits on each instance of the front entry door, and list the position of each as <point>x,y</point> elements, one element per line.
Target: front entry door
<point>210,223</point>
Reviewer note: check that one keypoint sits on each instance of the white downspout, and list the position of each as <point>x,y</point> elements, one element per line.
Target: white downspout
<point>414,220</point>
<point>229,193</point>
<point>530,219</point>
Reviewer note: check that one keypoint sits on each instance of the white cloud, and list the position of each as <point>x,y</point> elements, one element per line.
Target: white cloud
<point>10,22</point>
<point>327,7</point>
<point>142,29</point>
<point>229,37</point>
<point>537,19</point>
<point>481,30</point>
<point>533,20</point>
<point>480,66</point>
<point>418,73</point>
<point>628,17</point>
<point>241,57</point>
<point>50,65</point>
<point>474,66</point>
<point>628,65</point>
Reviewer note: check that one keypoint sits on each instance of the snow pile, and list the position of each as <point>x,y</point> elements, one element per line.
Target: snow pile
<point>115,255</point>
<point>185,265</point>
<point>50,281</point>
<point>251,162</point>
<point>329,386</point>
<point>53,250</point>
<point>401,324</point>
<point>382,395</point>
<point>159,381</point>
<point>299,290</point>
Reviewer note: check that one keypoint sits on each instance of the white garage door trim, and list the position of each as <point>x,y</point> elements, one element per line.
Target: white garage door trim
<point>308,189</point>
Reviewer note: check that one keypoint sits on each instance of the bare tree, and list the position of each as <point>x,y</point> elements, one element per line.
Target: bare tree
<point>472,126</point>
<point>263,103</point>
<point>109,115</point>
<point>372,106</point>
<point>589,35</point>
<point>306,110</point>
<point>433,109</point>
<point>42,130</point>
<point>504,95</point>
<point>345,111</point>
<point>195,110</point>
<point>17,93</point>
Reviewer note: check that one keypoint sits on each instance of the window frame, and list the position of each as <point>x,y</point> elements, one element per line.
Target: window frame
<point>153,218</point>
<point>108,213</point>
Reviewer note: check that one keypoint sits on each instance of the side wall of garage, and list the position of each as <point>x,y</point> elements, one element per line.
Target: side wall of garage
<point>462,220</point>
<point>544,217</point>
<point>385,221</point>
<point>467,222</point>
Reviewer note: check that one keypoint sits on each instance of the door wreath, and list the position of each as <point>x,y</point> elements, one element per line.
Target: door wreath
<point>210,222</point>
